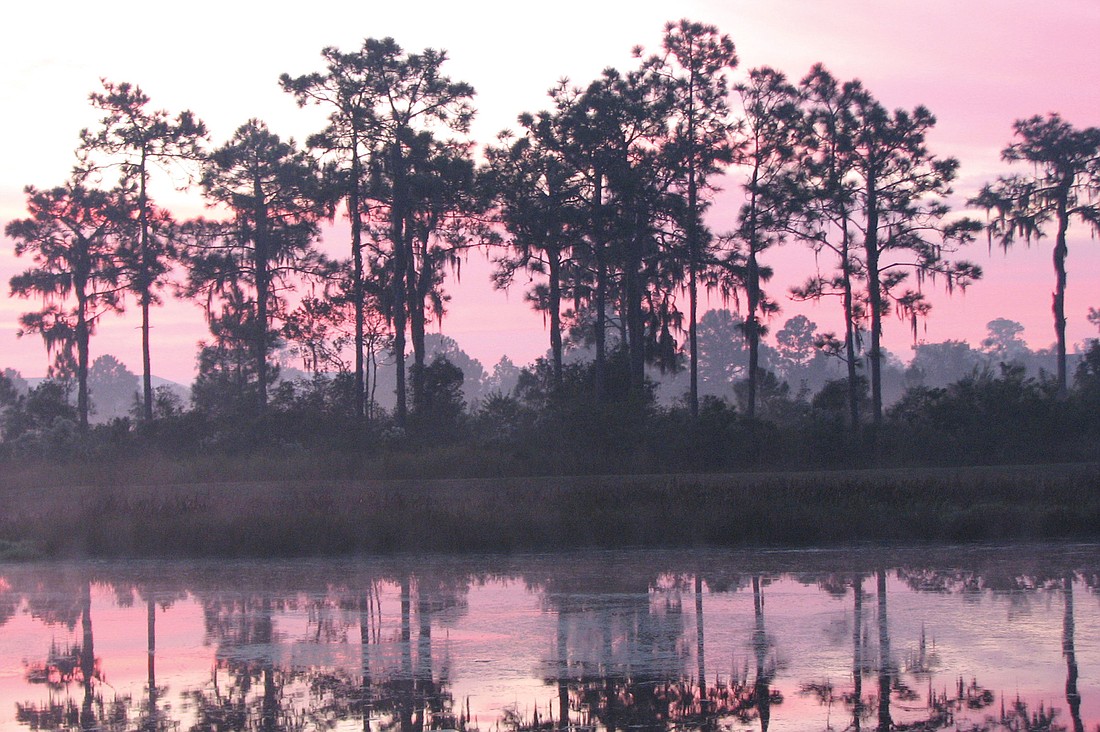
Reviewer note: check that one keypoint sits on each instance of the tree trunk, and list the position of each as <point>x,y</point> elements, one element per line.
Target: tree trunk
<point>849,304</point>
<point>146,360</point>
<point>554,260</point>
<point>365,690</point>
<point>373,384</point>
<point>633,292</point>
<point>850,340</point>
<point>700,646</point>
<point>417,332</point>
<point>601,290</point>
<point>269,706</point>
<point>752,286</point>
<point>1059,300</point>
<point>563,672</point>
<point>151,638</point>
<point>425,696</point>
<point>145,286</point>
<point>87,656</point>
<point>693,336</point>
<point>693,284</point>
<point>357,273</point>
<point>762,689</point>
<point>874,298</point>
<point>397,235</point>
<point>752,329</point>
<point>260,266</point>
<point>82,406</point>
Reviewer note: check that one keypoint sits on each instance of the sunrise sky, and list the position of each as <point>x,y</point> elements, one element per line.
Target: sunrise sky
<point>977,65</point>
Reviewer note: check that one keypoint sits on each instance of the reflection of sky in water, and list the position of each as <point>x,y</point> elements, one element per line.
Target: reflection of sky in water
<point>496,635</point>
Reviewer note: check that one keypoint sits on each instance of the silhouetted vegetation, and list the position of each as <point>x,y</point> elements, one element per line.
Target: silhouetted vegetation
<point>599,201</point>
<point>998,414</point>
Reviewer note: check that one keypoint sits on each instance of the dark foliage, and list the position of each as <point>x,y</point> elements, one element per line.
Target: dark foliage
<point>992,417</point>
<point>437,396</point>
<point>599,202</point>
<point>302,476</point>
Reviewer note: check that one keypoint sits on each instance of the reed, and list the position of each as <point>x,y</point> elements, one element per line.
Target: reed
<point>296,516</point>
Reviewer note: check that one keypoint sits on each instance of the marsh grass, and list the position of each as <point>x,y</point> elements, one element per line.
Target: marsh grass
<point>326,517</point>
<point>15,551</point>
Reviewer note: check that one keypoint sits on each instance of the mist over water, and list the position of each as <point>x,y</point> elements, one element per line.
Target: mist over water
<point>989,638</point>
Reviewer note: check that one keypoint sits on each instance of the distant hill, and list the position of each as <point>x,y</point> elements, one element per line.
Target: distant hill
<point>115,398</point>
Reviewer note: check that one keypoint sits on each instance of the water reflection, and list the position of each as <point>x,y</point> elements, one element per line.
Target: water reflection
<point>1073,697</point>
<point>868,640</point>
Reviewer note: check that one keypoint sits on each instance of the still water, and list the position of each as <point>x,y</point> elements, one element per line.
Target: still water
<point>987,638</point>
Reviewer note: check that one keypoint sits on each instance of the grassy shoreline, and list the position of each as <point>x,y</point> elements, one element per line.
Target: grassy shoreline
<point>333,517</point>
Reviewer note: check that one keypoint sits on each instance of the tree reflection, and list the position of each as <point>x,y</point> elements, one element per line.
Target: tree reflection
<point>9,601</point>
<point>416,697</point>
<point>156,592</point>
<point>1019,587</point>
<point>370,647</point>
<point>762,693</point>
<point>617,646</point>
<point>884,661</point>
<point>860,709</point>
<point>622,656</point>
<point>939,711</point>
<point>397,685</point>
<point>1073,697</point>
<point>74,665</point>
<point>700,645</point>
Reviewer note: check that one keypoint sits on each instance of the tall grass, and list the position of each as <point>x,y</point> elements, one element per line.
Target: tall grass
<point>309,516</point>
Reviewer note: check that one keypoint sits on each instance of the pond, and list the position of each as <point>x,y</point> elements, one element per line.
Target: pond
<point>977,638</point>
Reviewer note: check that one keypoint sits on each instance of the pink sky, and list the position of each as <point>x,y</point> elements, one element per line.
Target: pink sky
<point>977,65</point>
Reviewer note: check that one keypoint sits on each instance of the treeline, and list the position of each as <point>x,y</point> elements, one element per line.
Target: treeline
<point>522,422</point>
<point>599,201</point>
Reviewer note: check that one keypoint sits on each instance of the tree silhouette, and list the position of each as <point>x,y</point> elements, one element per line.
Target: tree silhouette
<point>1003,340</point>
<point>617,131</point>
<point>276,196</point>
<point>442,223</point>
<point>538,200</point>
<point>1063,186</point>
<point>346,89</point>
<point>795,342</point>
<point>408,95</point>
<point>824,218</point>
<point>762,695</point>
<point>770,124</point>
<point>859,661</point>
<point>695,60</point>
<point>135,138</point>
<point>73,664</point>
<point>437,394</point>
<point>315,332</point>
<point>72,234</point>
<point>227,382</point>
<point>112,387</point>
<point>582,143</point>
<point>722,357</point>
<point>899,192</point>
